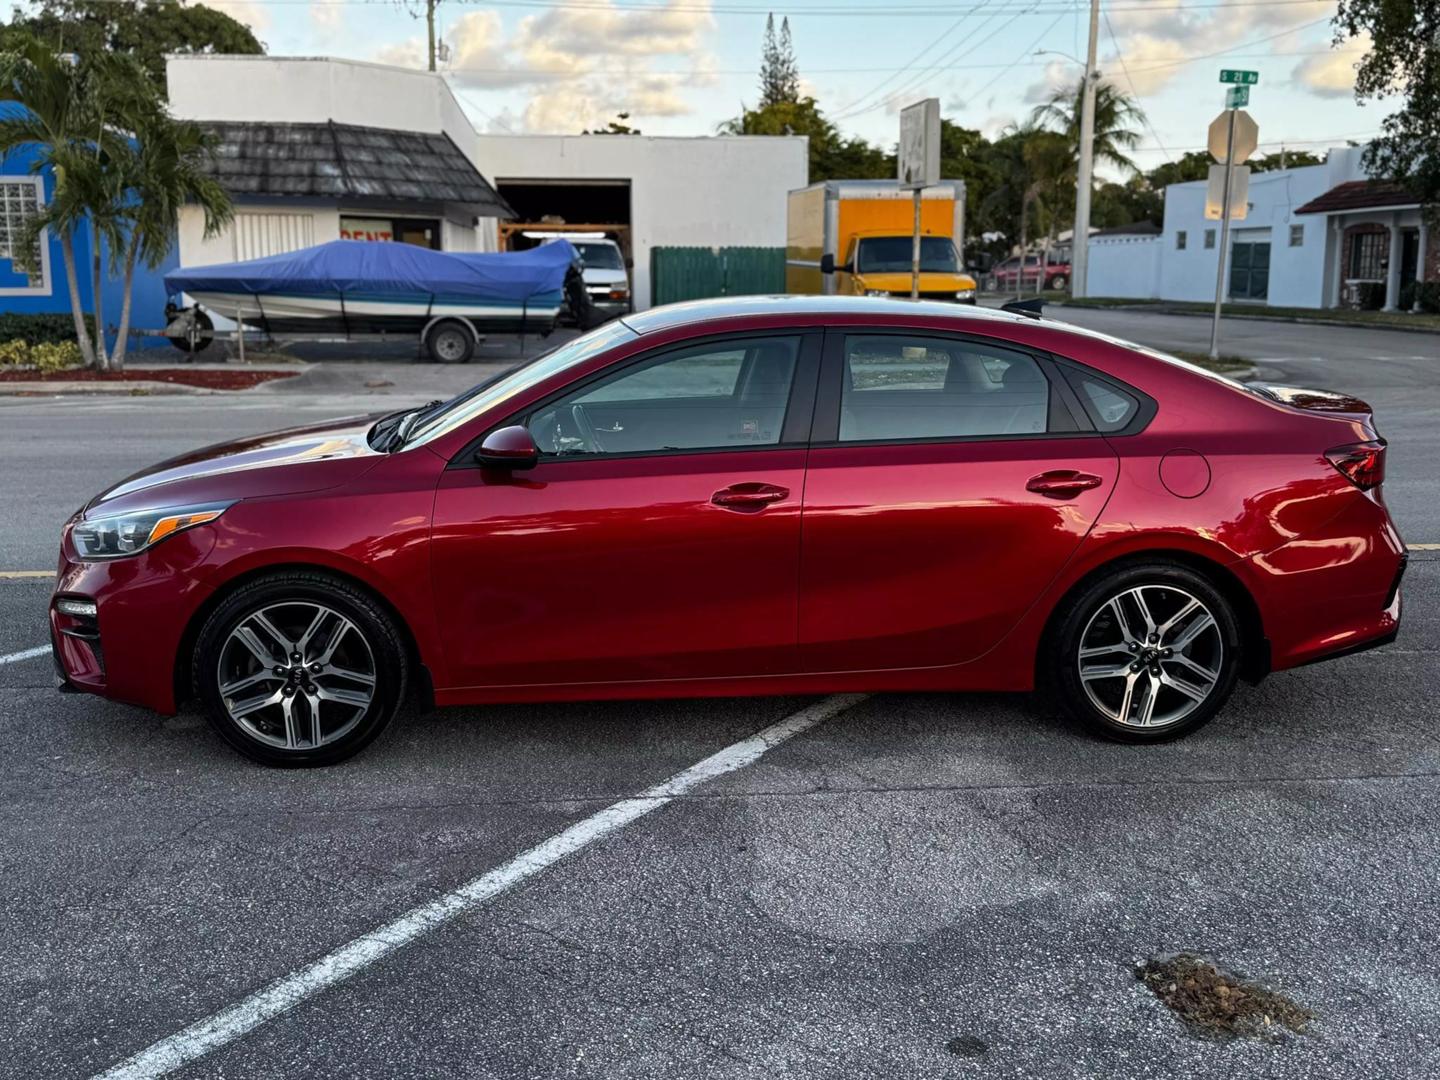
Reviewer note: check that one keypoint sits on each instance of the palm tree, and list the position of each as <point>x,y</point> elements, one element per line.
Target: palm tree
<point>1117,117</point>
<point>166,167</point>
<point>55,107</point>
<point>121,165</point>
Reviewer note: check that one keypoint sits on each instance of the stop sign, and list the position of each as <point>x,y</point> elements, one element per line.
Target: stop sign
<point>1247,135</point>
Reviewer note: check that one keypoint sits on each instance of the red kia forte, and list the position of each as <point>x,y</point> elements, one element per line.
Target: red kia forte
<point>752,496</point>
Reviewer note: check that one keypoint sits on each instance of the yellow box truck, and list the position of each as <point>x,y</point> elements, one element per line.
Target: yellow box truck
<point>855,237</point>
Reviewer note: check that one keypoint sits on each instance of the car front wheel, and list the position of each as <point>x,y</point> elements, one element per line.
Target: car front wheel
<point>1145,653</point>
<point>299,669</point>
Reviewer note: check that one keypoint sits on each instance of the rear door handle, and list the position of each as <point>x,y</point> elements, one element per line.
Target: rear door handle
<point>1063,483</point>
<point>749,496</point>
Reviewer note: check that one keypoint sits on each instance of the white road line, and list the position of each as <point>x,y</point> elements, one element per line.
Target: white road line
<point>24,654</point>
<point>231,1023</point>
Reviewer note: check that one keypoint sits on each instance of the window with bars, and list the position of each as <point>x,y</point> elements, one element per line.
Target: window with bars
<point>1369,256</point>
<point>19,201</point>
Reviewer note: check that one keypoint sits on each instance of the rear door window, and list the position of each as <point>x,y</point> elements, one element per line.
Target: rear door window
<point>900,387</point>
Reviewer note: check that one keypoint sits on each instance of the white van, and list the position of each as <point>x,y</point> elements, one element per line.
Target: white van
<point>603,268</point>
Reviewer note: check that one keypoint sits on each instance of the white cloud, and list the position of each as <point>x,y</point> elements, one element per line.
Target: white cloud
<point>1332,75</point>
<point>254,15</point>
<point>583,65</point>
<point>1057,74</point>
<point>1153,40</point>
<point>326,17</point>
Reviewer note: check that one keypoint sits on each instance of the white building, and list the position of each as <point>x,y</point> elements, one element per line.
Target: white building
<point>1318,236</point>
<point>316,149</point>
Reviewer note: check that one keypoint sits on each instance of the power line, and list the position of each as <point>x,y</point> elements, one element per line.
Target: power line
<point>1047,7</point>
<point>1120,55</point>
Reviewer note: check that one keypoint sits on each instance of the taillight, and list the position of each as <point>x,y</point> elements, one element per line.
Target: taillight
<point>1362,463</point>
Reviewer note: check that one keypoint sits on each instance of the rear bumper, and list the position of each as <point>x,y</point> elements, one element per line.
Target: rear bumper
<point>1334,593</point>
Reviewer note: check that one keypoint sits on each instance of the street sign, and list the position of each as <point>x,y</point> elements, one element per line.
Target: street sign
<point>1237,97</point>
<point>919,157</point>
<point>1239,193</point>
<point>1247,135</point>
<point>1242,78</point>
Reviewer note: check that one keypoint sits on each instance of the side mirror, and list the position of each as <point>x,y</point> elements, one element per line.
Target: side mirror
<point>509,448</point>
<point>827,263</point>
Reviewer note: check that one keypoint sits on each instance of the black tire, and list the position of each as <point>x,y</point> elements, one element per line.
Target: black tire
<point>1059,282</point>
<point>378,631</point>
<point>200,344</point>
<point>450,342</point>
<point>1165,582</point>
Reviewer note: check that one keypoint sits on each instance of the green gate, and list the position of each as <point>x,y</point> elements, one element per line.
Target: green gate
<point>693,273</point>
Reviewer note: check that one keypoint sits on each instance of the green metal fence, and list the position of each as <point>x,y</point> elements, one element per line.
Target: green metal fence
<point>692,273</point>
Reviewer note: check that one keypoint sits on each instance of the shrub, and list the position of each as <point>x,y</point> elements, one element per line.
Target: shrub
<point>46,328</point>
<point>14,353</point>
<point>1429,295</point>
<point>44,357</point>
<point>55,356</point>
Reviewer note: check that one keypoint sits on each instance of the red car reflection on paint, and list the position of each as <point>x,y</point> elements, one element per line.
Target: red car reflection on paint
<point>752,496</point>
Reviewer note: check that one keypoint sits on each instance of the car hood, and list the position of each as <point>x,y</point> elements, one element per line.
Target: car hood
<point>277,463</point>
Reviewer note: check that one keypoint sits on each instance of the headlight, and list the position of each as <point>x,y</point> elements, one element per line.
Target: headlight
<point>130,534</point>
<point>877,292</point>
<point>965,294</point>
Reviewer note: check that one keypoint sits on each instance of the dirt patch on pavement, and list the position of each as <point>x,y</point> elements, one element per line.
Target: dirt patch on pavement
<point>1219,1003</point>
<point>205,378</point>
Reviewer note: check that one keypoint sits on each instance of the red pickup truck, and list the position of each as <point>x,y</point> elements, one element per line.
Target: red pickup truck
<point>1002,275</point>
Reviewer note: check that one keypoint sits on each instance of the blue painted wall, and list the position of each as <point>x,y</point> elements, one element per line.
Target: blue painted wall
<point>147,310</point>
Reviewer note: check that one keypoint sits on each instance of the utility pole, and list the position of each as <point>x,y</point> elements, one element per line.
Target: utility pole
<point>1080,243</point>
<point>430,28</point>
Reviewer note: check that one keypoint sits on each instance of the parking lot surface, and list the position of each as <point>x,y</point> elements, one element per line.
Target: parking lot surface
<point>916,885</point>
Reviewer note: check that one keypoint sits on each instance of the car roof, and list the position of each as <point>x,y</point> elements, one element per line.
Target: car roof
<point>671,316</point>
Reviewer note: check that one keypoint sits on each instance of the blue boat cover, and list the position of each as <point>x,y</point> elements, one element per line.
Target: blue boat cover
<point>361,266</point>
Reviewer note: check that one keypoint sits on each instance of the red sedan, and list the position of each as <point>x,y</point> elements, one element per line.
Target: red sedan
<point>751,496</point>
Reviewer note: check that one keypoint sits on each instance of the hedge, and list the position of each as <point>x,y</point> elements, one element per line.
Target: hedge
<point>51,328</point>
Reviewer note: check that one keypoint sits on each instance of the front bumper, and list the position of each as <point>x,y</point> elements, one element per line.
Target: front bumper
<point>144,604</point>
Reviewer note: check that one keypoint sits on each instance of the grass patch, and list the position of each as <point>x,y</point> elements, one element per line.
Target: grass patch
<point>1220,1004</point>
<point>1343,316</point>
<point>1225,365</point>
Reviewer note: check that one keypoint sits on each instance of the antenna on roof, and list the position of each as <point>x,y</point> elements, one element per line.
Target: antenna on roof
<point>1029,308</point>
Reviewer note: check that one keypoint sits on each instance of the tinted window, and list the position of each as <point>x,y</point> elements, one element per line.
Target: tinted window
<point>724,394</point>
<point>1109,407</point>
<point>927,388</point>
<point>601,256</point>
<point>895,255</point>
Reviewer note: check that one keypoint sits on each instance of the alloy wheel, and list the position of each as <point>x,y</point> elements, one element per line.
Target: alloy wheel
<point>1150,656</point>
<point>296,675</point>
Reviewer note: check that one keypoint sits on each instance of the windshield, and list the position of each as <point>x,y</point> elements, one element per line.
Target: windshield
<point>601,256</point>
<point>893,254</point>
<point>487,395</point>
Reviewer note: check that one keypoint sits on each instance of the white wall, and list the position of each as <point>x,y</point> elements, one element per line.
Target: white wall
<point>707,192</point>
<point>1125,266</point>
<point>315,90</point>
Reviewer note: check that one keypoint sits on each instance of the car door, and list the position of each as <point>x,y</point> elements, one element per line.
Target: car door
<point>657,538</point>
<point>949,481</point>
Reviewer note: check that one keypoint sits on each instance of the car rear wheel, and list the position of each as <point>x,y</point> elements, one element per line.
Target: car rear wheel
<point>299,669</point>
<point>1146,653</point>
<point>450,343</point>
<point>1059,281</point>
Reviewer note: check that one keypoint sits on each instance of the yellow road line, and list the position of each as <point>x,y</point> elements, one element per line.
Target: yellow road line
<point>27,573</point>
<point>1423,547</point>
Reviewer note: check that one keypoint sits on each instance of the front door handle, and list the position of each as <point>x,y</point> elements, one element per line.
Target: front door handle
<point>1062,483</point>
<point>749,496</point>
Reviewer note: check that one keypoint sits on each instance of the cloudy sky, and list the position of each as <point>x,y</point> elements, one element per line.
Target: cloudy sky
<point>680,67</point>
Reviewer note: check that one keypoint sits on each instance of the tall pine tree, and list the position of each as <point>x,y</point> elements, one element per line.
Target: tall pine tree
<point>779,76</point>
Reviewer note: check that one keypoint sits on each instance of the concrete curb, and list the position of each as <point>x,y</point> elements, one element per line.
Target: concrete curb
<point>1159,309</point>
<point>136,387</point>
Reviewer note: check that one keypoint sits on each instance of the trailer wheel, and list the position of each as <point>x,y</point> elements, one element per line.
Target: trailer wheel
<point>200,343</point>
<point>450,342</point>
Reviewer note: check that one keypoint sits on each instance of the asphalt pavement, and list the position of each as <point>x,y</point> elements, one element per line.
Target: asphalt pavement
<point>915,885</point>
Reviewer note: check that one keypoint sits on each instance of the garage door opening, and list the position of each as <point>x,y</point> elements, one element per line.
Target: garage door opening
<point>551,206</point>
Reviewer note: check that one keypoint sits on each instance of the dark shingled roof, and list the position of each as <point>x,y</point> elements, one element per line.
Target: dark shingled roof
<point>1135,228</point>
<point>345,161</point>
<point>1359,195</point>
